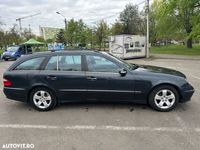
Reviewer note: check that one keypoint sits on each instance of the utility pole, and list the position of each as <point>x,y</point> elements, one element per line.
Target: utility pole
<point>29,30</point>
<point>147,38</point>
<point>20,25</point>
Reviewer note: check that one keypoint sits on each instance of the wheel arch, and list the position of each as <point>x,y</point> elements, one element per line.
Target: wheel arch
<point>40,86</point>
<point>163,84</point>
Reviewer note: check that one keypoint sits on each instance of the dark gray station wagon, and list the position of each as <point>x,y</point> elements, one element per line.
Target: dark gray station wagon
<point>46,79</point>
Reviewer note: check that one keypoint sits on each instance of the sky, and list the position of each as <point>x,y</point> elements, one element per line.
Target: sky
<point>91,11</point>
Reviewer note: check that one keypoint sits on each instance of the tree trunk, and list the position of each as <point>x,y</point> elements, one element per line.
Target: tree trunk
<point>189,43</point>
<point>100,46</point>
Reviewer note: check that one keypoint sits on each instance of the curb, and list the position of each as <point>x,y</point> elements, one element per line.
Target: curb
<point>178,57</point>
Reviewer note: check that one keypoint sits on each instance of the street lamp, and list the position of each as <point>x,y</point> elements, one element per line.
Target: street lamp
<point>65,20</point>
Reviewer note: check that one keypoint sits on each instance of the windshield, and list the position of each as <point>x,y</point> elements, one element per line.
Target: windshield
<point>13,48</point>
<point>129,66</point>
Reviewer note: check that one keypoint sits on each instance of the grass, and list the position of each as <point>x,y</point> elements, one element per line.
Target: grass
<point>176,50</point>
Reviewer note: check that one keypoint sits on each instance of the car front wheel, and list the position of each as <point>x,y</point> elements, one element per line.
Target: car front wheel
<point>42,99</point>
<point>164,98</point>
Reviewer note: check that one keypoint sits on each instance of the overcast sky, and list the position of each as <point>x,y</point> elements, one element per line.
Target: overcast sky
<point>88,10</point>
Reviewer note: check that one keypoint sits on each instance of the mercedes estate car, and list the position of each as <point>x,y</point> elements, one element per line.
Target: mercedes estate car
<point>46,79</point>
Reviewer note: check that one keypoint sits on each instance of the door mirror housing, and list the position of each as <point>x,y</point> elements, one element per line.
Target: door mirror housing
<point>123,72</point>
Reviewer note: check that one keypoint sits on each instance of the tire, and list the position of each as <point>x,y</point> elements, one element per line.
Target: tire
<point>16,58</point>
<point>5,59</point>
<point>42,99</point>
<point>164,98</point>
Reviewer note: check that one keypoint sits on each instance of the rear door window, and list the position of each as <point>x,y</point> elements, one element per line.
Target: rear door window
<point>64,63</point>
<point>31,64</point>
<point>69,63</point>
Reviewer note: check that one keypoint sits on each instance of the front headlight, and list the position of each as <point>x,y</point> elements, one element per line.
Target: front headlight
<point>13,53</point>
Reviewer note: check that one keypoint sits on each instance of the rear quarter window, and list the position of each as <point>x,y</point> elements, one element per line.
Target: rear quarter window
<point>31,64</point>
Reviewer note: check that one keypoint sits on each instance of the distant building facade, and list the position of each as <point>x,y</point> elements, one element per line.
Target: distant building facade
<point>48,32</point>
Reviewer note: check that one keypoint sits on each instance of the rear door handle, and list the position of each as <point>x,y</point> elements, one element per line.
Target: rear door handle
<point>51,77</point>
<point>91,78</point>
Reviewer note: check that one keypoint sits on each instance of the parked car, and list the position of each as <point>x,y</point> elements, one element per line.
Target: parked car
<point>15,51</point>
<point>48,78</point>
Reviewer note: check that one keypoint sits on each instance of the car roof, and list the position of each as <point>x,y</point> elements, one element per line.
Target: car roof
<point>74,51</point>
<point>55,53</point>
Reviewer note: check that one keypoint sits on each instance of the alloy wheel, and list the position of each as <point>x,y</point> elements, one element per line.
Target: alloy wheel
<point>164,99</point>
<point>42,99</point>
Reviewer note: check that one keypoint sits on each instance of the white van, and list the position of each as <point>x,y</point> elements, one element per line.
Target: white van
<point>127,46</point>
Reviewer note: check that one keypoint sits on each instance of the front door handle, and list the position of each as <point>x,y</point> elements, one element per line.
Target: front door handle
<point>91,78</point>
<point>51,77</point>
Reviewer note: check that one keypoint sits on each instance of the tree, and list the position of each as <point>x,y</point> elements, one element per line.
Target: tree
<point>60,37</point>
<point>81,33</point>
<point>49,41</point>
<point>117,28</point>
<point>152,25</point>
<point>176,17</point>
<point>10,37</point>
<point>2,36</point>
<point>131,19</point>
<point>196,25</point>
<point>101,33</point>
<point>90,37</point>
<point>14,35</point>
<point>71,32</point>
<point>40,39</point>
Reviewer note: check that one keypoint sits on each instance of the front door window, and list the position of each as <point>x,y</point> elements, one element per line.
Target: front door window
<point>100,64</point>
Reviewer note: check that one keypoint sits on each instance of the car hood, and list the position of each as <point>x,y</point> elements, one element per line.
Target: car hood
<point>7,53</point>
<point>159,70</point>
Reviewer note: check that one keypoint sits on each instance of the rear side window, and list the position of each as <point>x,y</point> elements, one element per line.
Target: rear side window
<point>31,64</point>
<point>65,63</point>
<point>69,63</point>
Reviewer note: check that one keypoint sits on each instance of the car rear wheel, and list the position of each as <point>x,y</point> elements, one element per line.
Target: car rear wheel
<point>164,98</point>
<point>42,99</point>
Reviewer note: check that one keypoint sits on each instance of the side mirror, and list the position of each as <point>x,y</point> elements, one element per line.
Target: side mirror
<point>122,72</point>
<point>5,50</point>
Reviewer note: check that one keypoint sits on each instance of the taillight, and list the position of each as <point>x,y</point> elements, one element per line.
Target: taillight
<point>6,83</point>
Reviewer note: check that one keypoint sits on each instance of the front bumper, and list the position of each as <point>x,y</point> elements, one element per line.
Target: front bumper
<point>186,93</point>
<point>8,57</point>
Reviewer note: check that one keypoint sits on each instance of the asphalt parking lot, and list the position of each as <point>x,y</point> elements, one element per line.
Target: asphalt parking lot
<point>106,126</point>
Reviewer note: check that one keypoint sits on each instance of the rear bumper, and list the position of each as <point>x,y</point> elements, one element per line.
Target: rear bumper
<point>18,94</point>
